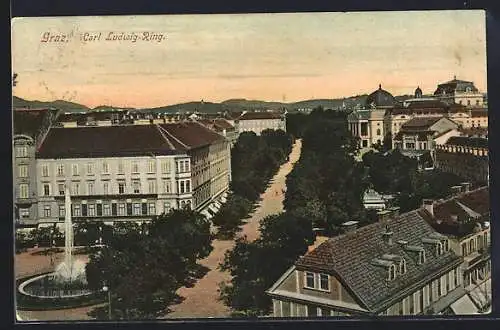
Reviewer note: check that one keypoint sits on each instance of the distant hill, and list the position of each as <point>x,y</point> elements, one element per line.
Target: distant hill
<point>66,106</point>
<point>210,107</point>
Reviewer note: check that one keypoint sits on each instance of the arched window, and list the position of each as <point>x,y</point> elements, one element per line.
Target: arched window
<point>378,131</point>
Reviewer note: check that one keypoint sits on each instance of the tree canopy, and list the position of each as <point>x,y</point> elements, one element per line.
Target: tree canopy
<point>144,274</point>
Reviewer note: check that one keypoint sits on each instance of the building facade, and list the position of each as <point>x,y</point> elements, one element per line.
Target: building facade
<point>459,92</point>
<point>397,266</point>
<point>131,172</point>
<point>465,219</point>
<point>259,121</point>
<point>420,135</point>
<point>368,123</point>
<point>30,128</point>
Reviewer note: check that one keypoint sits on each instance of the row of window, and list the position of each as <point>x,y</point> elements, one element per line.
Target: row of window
<point>420,300</point>
<point>21,151</point>
<point>90,168</point>
<point>111,209</point>
<point>77,188</point>
<point>287,309</point>
<point>316,281</point>
<point>474,244</point>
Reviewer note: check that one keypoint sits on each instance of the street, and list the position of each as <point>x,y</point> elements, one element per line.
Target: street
<point>202,299</point>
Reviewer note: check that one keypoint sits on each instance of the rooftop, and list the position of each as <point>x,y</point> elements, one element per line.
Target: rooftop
<point>465,141</point>
<point>125,140</point>
<point>350,257</point>
<point>29,121</point>
<point>449,213</point>
<point>259,116</point>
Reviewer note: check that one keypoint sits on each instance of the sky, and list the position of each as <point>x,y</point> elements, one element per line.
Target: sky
<point>271,57</point>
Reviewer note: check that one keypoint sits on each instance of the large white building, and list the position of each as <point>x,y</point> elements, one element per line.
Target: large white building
<point>131,172</point>
<point>259,121</point>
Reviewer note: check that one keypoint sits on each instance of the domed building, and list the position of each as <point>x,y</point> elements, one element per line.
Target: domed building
<point>418,93</point>
<point>380,99</point>
<point>368,124</point>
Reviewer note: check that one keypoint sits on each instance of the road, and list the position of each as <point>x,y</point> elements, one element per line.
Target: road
<point>202,299</point>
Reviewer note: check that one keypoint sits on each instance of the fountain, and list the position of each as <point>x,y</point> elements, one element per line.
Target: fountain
<point>67,282</point>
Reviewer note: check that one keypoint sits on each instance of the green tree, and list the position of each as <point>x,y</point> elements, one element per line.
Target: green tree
<point>255,266</point>
<point>145,274</point>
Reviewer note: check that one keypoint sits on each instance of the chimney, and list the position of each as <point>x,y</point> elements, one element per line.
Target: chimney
<point>465,186</point>
<point>428,204</point>
<point>318,240</point>
<point>349,226</point>
<point>394,211</point>
<point>384,215</point>
<point>387,236</point>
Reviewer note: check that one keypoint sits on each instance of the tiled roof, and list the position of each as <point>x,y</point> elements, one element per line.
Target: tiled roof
<point>421,123</point>
<point>30,121</point>
<point>125,140</point>
<point>466,141</point>
<point>444,220</point>
<point>224,124</point>
<point>192,134</point>
<point>65,117</point>
<point>455,85</point>
<point>350,257</point>
<point>259,116</point>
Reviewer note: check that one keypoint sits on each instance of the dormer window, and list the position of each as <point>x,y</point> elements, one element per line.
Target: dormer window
<point>392,272</point>
<point>421,257</point>
<point>439,249</point>
<point>309,283</point>
<point>402,267</point>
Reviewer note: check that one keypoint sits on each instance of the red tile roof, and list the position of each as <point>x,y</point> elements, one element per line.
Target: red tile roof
<point>449,213</point>
<point>125,140</point>
<point>421,123</point>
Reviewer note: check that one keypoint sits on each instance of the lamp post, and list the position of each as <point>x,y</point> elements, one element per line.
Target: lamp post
<point>106,289</point>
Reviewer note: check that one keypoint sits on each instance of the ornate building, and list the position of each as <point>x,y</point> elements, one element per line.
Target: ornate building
<point>368,124</point>
<point>459,92</point>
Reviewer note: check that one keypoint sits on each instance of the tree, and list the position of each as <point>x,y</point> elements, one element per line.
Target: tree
<point>255,266</point>
<point>144,266</point>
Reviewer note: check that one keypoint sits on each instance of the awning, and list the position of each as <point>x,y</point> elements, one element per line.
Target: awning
<point>464,306</point>
<point>45,225</point>
<point>213,208</point>
<point>207,214</point>
<point>481,294</point>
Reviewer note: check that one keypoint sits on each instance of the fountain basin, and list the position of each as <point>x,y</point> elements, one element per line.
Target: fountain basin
<point>42,292</point>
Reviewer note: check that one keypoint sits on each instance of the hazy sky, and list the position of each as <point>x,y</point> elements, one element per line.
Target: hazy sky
<point>274,57</point>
